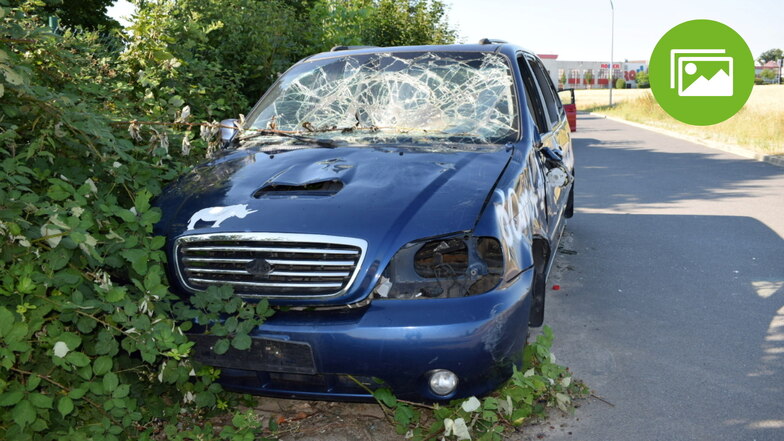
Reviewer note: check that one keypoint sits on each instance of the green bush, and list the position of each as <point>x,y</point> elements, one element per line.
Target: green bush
<point>92,344</point>
<point>620,83</point>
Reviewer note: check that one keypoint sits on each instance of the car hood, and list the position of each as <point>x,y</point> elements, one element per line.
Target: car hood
<point>386,196</point>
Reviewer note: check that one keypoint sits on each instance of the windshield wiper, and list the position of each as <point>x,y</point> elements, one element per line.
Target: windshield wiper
<point>321,142</point>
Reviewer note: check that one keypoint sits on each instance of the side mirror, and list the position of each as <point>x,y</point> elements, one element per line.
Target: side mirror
<point>227,133</point>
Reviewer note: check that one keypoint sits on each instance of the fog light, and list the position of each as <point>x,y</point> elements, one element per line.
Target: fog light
<point>443,382</point>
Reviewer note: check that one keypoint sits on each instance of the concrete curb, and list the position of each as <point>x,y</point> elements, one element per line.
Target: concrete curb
<point>777,160</point>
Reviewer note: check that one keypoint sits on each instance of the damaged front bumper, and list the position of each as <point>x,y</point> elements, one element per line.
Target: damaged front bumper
<point>320,354</point>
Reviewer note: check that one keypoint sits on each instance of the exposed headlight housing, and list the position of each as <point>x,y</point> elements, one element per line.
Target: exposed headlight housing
<point>455,266</point>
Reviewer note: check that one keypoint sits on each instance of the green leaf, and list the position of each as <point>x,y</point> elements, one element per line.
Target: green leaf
<point>40,401</point>
<point>77,393</point>
<point>142,202</point>
<point>23,413</point>
<point>110,382</point>
<point>65,405</point>
<point>17,333</point>
<point>121,391</point>
<point>221,346</point>
<point>11,398</point>
<point>102,365</point>
<point>231,324</point>
<point>138,259</point>
<point>385,396</point>
<point>77,359</point>
<point>6,321</point>
<point>403,415</point>
<point>69,338</point>
<point>33,382</point>
<point>59,257</point>
<point>241,342</point>
<point>157,242</point>
<point>115,294</point>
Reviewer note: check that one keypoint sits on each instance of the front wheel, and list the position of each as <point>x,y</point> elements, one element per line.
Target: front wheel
<point>536,316</point>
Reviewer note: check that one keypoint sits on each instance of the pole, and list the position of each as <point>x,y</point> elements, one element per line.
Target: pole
<point>612,44</point>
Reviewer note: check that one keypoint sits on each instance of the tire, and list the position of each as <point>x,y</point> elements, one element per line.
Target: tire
<point>536,316</point>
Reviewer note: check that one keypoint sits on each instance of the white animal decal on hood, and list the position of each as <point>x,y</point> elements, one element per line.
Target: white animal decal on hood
<point>219,214</point>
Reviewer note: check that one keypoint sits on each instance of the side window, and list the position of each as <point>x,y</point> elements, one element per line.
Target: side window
<point>532,96</point>
<point>547,89</point>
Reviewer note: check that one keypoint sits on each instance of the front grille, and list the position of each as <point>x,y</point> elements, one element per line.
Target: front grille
<point>260,265</point>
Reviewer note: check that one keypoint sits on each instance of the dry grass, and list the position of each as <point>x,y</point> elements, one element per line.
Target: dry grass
<point>759,125</point>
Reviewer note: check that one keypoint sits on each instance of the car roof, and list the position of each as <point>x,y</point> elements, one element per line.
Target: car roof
<point>505,48</point>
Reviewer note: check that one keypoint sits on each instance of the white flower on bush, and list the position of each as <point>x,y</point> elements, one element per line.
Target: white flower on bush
<point>457,428</point>
<point>160,375</point>
<point>61,349</point>
<point>471,404</point>
<point>91,185</point>
<point>186,145</point>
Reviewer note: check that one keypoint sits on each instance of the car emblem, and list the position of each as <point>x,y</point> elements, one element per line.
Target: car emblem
<point>259,267</point>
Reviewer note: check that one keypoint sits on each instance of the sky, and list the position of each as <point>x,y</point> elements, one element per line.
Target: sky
<point>580,29</point>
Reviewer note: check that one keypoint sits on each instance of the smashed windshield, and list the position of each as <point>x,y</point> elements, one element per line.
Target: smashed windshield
<point>409,97</point>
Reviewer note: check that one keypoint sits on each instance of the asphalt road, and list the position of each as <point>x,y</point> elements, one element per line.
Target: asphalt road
<point>671,305</point>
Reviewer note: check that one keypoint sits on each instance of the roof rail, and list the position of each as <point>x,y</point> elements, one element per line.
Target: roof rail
<point>492,41</point>
<point>348,48</point>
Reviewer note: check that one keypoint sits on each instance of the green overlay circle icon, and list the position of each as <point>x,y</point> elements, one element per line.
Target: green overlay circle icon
<point>701,72</point>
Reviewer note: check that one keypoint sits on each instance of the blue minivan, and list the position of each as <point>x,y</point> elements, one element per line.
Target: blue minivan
<point>401,206</point>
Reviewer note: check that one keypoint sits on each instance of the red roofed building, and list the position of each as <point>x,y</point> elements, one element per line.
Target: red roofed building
<point>770,65</point>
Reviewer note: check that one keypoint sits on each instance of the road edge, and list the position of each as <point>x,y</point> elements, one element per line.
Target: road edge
<point>729,148</point>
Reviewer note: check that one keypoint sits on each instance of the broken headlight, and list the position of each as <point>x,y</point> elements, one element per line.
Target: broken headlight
<point>456,266</point>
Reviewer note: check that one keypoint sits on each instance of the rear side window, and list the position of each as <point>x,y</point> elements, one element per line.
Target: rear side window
<point>552,103</point>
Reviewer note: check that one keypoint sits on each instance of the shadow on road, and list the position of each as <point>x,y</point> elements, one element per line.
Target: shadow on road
<point>620,160</point>
<point>676,319</point>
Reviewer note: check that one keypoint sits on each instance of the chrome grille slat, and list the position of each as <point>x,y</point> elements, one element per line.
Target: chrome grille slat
<point>267,285</point>
<point>274,250</point>
<point>270,265</point>
<point>219,260</point>
<point>311,262</point>
<point>309,274</point>
<point>273,273</point>
<point>216,271</point>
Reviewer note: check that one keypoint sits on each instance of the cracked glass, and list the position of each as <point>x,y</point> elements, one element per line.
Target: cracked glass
<point>407,97</point>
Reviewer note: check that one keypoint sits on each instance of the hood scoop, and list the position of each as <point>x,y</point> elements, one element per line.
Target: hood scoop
<point>318,179</point>
<point>312,189</point>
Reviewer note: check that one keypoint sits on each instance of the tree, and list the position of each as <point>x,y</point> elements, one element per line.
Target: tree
<point>588,77</point>
<point>407,22</point>
<point>770,55</point>
<point>642,80</point>
<point>562,79</point>
<point>89,14</point>
<point>768,75</point>
<point>620,83</point>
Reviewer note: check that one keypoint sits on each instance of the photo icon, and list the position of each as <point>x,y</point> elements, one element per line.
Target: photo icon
<point>701,72</point>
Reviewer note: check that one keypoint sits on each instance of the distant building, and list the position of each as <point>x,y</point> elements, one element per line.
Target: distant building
<point>770,65</point>
<point>590,74</point>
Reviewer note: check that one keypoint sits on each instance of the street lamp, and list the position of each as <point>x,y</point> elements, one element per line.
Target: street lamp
<point>612,38</point>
